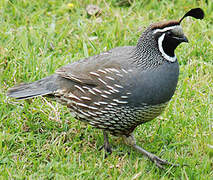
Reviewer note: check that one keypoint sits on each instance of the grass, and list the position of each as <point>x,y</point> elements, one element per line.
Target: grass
<point>40,139</point>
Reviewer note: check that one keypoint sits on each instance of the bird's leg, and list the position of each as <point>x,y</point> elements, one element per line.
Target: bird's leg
<point>106,145</point>
<point>130,140</point>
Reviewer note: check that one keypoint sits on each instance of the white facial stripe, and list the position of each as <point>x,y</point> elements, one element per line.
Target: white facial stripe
<point>160,45</point>
<point>166,29</point>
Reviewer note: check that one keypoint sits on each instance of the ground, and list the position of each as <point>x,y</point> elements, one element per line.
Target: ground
<point>40,140</point>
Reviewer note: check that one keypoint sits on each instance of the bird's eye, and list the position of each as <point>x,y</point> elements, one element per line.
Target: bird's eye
<point>169,33</point>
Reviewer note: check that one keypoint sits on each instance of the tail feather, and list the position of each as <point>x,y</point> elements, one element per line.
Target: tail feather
<point>44,86</point>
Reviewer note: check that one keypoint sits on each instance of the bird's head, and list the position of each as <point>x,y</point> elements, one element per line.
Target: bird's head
<point>168,35</point>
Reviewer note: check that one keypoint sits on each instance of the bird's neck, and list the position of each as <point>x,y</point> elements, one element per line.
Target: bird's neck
<point>146,55</point>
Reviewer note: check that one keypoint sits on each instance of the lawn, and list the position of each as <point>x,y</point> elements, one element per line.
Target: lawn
<point>39,139</point>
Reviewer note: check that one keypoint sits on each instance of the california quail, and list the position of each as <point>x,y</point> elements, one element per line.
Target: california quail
<point>122,88</point>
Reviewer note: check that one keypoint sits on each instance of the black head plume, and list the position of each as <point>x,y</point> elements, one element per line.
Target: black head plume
<point>196,13</point>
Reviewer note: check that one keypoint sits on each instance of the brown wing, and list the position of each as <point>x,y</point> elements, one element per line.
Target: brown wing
<point>94,83</point>
<point>81,71</point>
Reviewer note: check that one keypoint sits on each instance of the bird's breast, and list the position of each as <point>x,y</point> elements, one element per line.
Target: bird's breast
<point>155,86</point>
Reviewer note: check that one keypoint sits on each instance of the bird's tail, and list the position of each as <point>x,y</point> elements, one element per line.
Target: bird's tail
<point>43,86</point>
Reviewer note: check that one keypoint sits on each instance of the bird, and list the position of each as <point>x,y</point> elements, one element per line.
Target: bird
<point>119,89</point>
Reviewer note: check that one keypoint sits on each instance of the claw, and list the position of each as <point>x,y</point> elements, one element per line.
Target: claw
<point>106,148</point>
<point>160,162</point>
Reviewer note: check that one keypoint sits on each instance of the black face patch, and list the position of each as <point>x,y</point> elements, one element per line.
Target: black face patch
<point>170,43</point>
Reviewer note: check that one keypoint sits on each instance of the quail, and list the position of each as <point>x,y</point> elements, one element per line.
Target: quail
<point>122,88</point>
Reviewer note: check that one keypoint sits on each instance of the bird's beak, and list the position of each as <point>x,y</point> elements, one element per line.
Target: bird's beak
<point>182,38</point>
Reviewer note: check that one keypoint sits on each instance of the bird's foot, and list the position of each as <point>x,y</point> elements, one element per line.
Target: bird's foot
<point>107,149</point>
<point>106,144</point>
<point>160,162</point>
<point>130,140</point>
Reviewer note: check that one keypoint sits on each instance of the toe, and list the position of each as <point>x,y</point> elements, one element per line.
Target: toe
<point>109,150</point>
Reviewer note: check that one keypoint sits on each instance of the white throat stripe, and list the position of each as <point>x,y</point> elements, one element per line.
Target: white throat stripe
<point>160,45</point>
<point>166,29</point>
